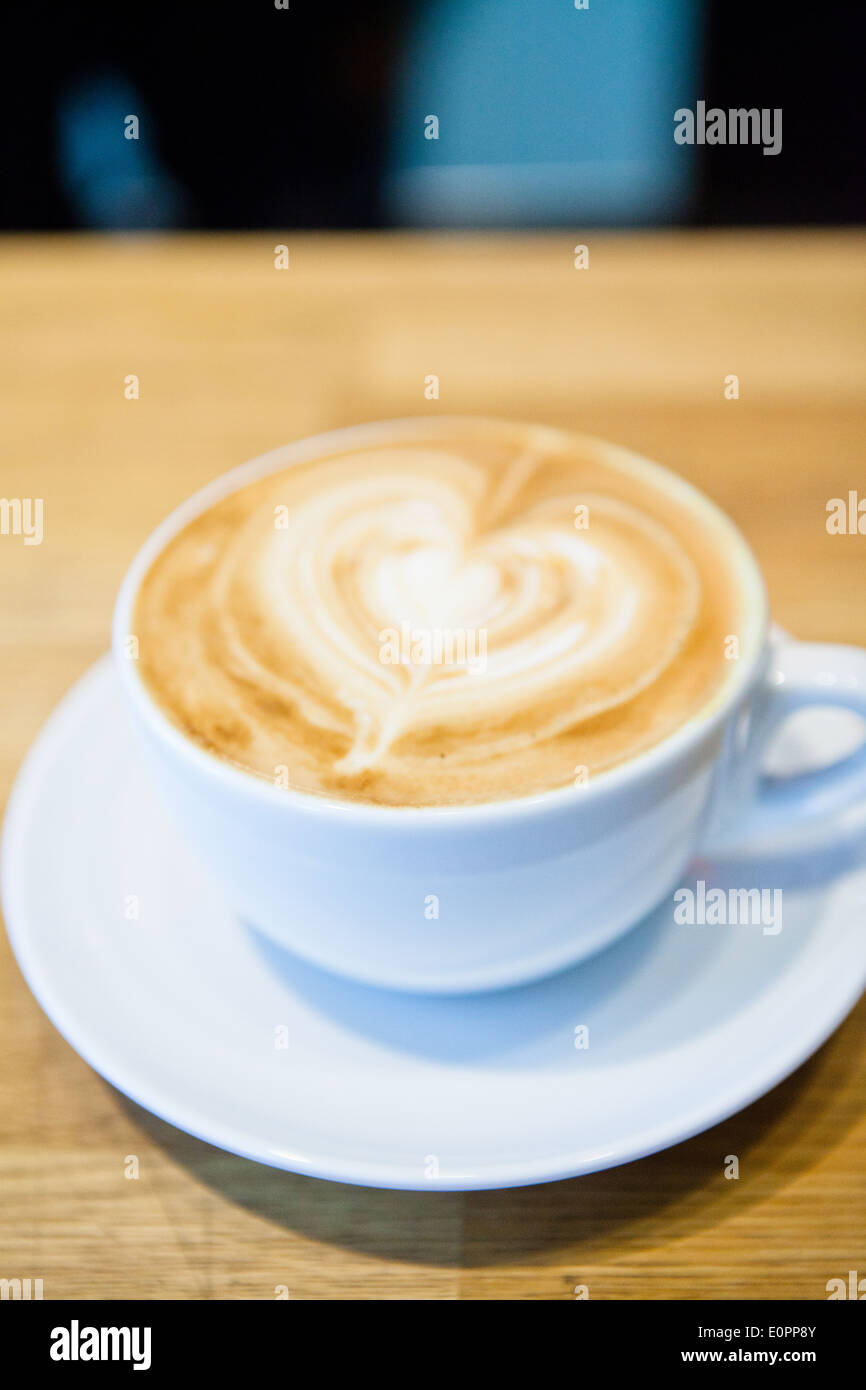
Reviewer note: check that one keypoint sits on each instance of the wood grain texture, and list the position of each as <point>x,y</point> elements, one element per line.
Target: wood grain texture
<point>235,357</point>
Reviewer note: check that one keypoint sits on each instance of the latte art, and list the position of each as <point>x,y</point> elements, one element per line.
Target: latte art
<point>262,625</point>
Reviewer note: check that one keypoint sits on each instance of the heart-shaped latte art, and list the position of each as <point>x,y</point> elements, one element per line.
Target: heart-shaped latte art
<point>536,618</point>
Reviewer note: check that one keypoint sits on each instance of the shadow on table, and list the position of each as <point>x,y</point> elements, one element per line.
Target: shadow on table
<point>653,1201</point>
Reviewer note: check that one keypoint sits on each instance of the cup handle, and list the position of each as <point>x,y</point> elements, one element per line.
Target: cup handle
<point>756,813</point>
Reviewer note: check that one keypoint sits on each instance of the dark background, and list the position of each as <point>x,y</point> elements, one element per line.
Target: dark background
<point>259,118</point>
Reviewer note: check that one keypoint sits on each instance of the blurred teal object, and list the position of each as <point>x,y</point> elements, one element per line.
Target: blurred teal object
<point>547,113</point>
<point>113,182</point>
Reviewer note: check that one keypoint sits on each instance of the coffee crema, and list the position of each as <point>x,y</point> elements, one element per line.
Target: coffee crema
<point>447,614</point>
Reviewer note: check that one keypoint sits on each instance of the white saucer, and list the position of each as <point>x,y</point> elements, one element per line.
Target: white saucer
<point>179,1008</point>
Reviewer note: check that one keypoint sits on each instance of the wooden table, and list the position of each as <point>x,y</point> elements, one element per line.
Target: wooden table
<point>234,356</point>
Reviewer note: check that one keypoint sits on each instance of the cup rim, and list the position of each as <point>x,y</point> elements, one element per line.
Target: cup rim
<point>633,771</point>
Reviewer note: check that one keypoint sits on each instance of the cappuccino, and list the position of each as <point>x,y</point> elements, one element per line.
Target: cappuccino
<point>445,613</point>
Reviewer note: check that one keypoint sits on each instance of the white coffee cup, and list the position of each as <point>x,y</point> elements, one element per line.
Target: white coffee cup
<point>464,898</point>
